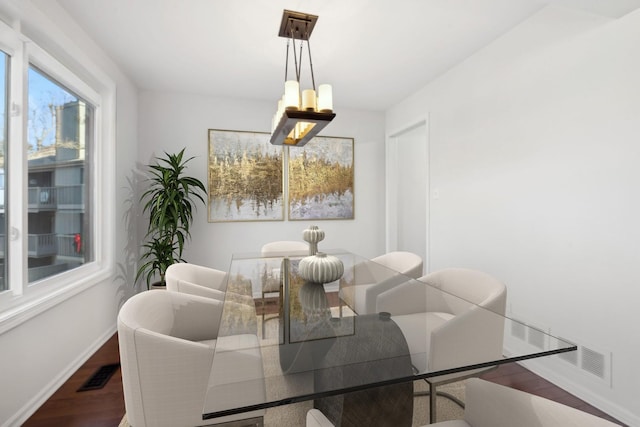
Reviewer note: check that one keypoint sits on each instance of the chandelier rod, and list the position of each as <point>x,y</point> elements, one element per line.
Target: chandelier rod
<point>313,79</point>
<point>295,58</point>
<point>286,63</point>
<point>300,63</point>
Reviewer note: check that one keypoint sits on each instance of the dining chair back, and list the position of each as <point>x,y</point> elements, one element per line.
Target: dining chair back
<point>284,248</point>
<point>377,276</point>
<point>463,312</point>
<point>196,280</point>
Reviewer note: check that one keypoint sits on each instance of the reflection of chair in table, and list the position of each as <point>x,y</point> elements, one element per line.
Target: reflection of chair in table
<point>271,278</point>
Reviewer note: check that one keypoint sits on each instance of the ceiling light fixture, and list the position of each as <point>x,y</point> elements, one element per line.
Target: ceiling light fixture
<point>300,118</point>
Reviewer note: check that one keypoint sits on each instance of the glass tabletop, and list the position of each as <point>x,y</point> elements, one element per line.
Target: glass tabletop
<point>284,339</point>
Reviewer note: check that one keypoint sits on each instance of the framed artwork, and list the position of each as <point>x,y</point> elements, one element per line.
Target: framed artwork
<point>321,179</point>
<point>245,177</point>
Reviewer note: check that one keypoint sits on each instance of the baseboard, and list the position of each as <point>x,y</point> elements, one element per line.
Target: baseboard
<point>582,392</point>
<point>39,399</point>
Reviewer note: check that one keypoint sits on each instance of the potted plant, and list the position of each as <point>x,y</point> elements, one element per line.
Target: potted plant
<point>170,202</point>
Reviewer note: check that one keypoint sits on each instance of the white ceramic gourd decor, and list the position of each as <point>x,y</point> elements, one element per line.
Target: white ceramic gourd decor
<point>320,268</point>
<point>313,235</point>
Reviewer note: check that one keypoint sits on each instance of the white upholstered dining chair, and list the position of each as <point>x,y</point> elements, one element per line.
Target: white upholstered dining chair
<point>461,312</point>
<point>204,281</point>
<point>379,275</point>
<point>196,280</point>
<point>494,405</point>
<point>167,341</point>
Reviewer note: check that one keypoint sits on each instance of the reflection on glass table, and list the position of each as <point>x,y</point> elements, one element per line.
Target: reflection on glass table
<point>321,349</point>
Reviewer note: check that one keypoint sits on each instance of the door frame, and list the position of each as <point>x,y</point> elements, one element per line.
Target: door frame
<point>391,181</point>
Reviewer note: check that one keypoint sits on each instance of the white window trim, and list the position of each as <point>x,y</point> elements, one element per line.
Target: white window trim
<point>17,307</point>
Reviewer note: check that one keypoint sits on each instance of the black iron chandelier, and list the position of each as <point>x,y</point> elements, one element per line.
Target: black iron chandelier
<point>300,114</point>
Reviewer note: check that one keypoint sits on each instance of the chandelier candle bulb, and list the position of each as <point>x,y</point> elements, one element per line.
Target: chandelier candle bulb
<point>291,95</point>
<point>280,111</point>
<point>309,100</point>
<point>325,98</point>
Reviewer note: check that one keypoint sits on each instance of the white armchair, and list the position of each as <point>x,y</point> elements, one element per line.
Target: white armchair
<point>493,405</point>
<point>375,277</point>
<point>207,282</point>
<point>196,280</point>
<point>167,341</point>
<point>463,313</point>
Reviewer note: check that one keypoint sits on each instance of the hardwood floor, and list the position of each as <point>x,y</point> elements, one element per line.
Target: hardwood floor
<point>94,408</point>
<point>105,407</point>
<point>518,377</point>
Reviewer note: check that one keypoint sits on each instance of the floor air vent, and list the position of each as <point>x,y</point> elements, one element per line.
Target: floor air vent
<point>99,377</point>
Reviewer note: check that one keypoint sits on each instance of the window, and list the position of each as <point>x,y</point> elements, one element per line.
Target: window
<point>56,137</point>
<point>59,141</point>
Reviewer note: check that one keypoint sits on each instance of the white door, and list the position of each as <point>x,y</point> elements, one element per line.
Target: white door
<point>407,191</point>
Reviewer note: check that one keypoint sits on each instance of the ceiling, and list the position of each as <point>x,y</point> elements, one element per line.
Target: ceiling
<point>374,53</point>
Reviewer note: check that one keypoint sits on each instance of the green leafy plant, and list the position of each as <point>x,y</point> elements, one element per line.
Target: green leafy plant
<point>170,202</point>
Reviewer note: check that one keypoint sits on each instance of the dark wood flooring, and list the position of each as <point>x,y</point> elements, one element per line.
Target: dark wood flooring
<point>105,407</point>
<point>94,408</point>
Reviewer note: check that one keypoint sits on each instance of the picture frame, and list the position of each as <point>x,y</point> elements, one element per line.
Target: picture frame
<point>321,179</point>
<point>245,177</point>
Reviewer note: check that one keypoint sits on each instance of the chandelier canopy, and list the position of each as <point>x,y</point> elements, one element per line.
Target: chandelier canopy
<point>300,115</point>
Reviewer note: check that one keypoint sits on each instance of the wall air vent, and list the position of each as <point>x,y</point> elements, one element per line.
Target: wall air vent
<point>536,338</point>
<point>594,362</point>
<point>518,330</point>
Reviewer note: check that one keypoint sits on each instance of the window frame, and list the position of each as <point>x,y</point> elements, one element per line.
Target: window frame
<point>24,300</point>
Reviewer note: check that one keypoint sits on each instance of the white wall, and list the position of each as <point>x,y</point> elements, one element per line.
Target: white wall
<point>38,355</point>
<point>534,145</point>
<point>170,121</point>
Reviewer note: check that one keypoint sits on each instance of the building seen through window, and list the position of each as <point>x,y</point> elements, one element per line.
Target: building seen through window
<point>59,133</point>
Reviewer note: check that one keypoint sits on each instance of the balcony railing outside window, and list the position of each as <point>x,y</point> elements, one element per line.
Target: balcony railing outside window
<point>70,246</point>
<point>60,197</point>
<point>42,198</point>
<point>41,245</point>
<point>70,196</point>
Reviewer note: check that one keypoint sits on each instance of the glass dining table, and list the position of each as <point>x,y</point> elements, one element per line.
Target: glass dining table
<point>306,342</point>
